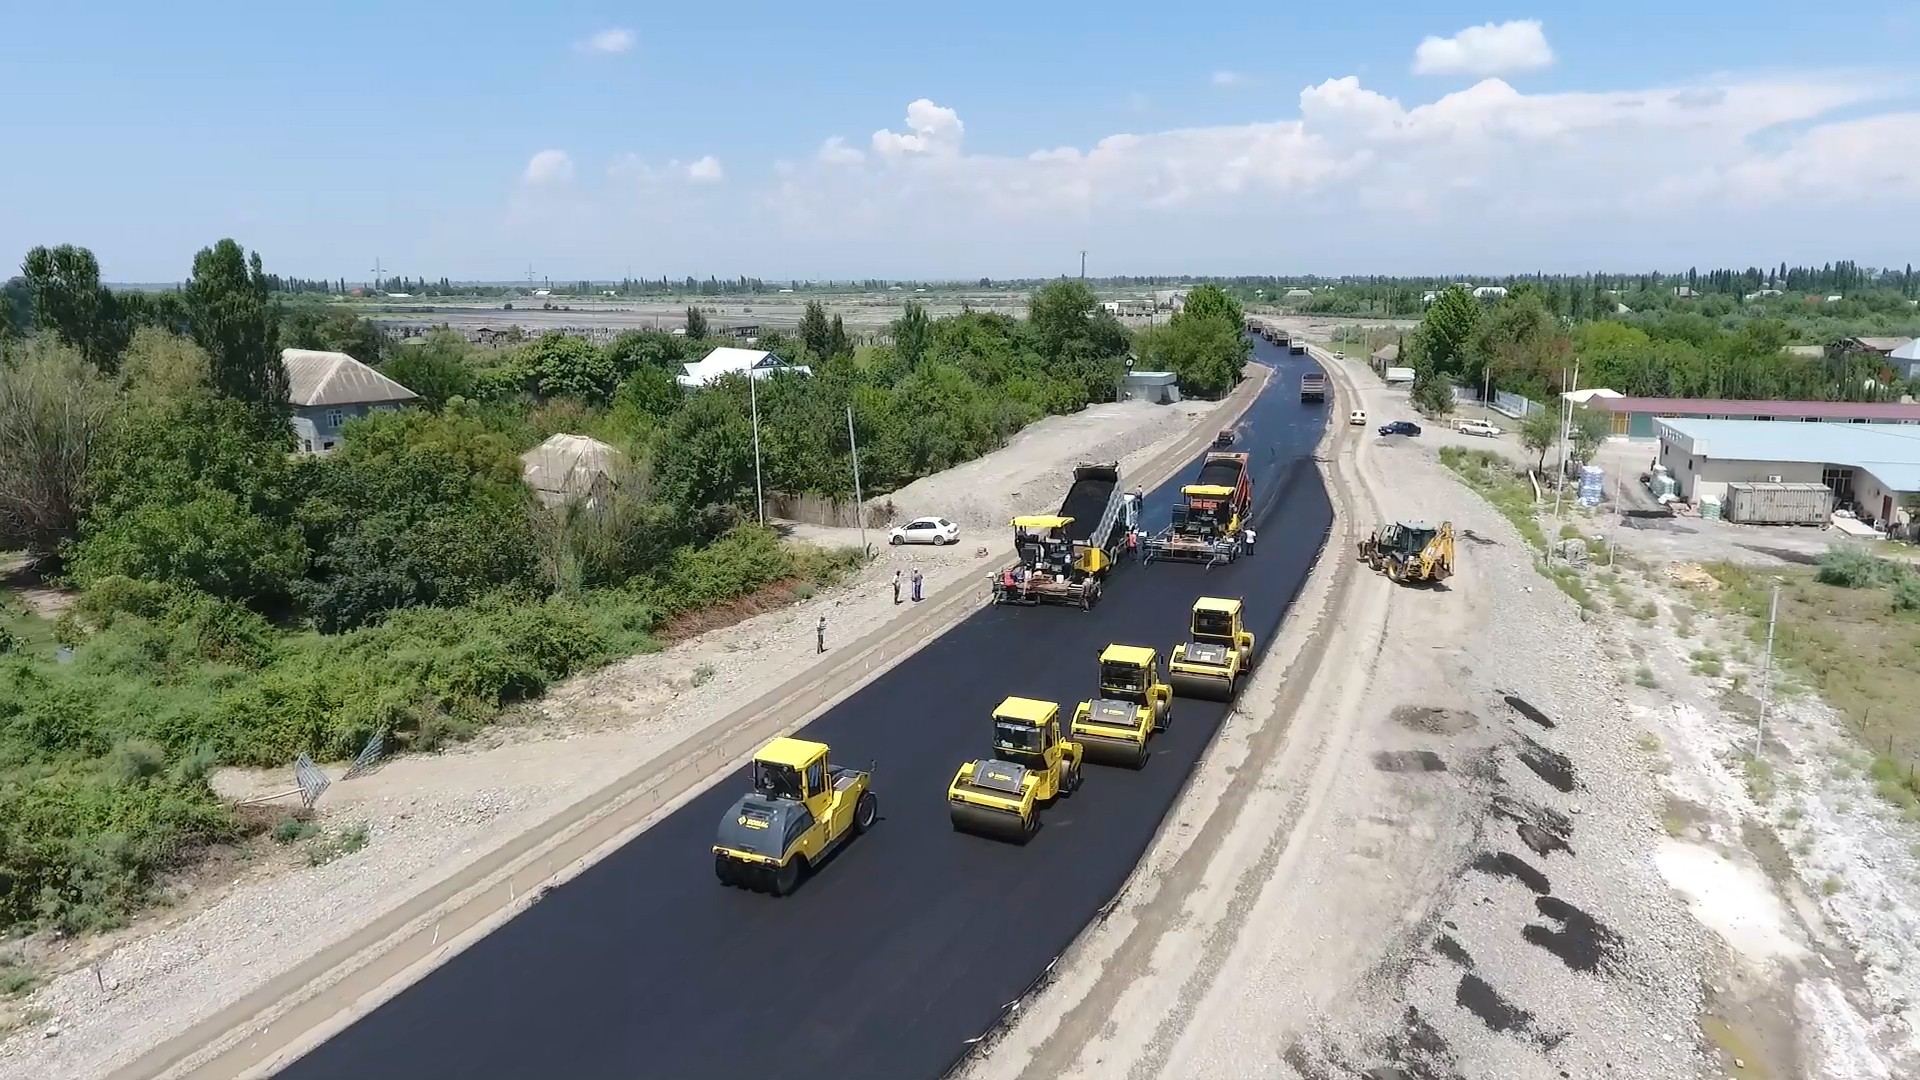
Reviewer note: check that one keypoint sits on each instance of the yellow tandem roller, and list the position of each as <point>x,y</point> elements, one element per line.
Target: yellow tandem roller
<point>1217,654</point>
<point>1001,796</point>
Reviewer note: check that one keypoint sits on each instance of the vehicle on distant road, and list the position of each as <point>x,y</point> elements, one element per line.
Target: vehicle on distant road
<point>1476,427</point>
<point>1400,427</point>
<point>1357,417</point>
<point>926,530</point>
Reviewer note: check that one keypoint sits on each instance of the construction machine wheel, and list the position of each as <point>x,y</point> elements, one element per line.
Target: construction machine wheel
<point>1211,687</point>
<point>726,871</point>
<point>787,878</point>
<point>865,812</point>
<point>1162,715</point>
<point>1139,758</point>
<point>1072,783</point>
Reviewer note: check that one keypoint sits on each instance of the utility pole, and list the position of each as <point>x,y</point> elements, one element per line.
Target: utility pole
<point>1566,421</point>
<point>859,501</point>
<point>1766,685</point>
<point>753,398</point>
<point>377,273</point>
<point>1083,264</point>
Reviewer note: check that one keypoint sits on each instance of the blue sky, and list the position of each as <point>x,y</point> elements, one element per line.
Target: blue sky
<point>984,139</point>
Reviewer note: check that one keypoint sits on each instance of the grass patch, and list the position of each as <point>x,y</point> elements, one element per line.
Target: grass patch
<point>293,830</point>
<point>1707,662</point>
<point>1831,886</point>
<point>1762,781</point>
<point>1647,612</point>
<point>16,978</point>
<point>327,847</point>
<point>702,675</point>
<point>1839,635</point>
<point>1643,676</point>
<point>1569,581</point>
<point>1492,476</point>
<point>1648,742</point>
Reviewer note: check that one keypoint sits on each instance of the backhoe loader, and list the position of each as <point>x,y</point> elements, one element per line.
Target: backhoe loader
<point>1411,551</point>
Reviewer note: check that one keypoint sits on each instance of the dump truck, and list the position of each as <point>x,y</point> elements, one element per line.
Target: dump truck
<point>800,809</point>
<point>1064,558</point>
<point>1209,524</point>
<point>1133,706</point>
<point>1218,651</point>
<point>1031,766</point>
<point>1411,551</point>
<point>1313,386</point>
<point>1297,348</point>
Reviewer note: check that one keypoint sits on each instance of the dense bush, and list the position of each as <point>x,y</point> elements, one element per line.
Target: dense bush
<point>1853,568</point>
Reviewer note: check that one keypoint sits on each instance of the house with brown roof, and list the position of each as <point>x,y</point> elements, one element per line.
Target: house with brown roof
<point>327,389</point>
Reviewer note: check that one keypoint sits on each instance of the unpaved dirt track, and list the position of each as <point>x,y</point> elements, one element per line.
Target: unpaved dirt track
<point>916,937</point>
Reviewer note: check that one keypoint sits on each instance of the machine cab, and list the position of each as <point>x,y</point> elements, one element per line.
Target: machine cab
<point>1042,543</point>
<point>1026,731</point>
<point>1216,620</point>
<point>794,770</point>
<point>1128,672</point>
<point>1411,537</point>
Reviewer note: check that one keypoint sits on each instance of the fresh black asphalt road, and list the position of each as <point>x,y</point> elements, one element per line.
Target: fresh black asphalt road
<point>913,938</point>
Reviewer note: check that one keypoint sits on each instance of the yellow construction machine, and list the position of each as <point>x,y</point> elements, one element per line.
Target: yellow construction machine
<point>1217,652</point>
<point>1031,765</point>
<point>1132,707</point>
<point>1411,551</point>
<point>800,810</point>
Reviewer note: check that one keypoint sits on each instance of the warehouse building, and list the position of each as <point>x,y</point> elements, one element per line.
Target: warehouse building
<point>1870,468</point>
<point>1635,417</point>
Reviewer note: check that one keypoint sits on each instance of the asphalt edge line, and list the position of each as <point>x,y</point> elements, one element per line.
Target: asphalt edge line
<point>970,1048</point>
<point>238,1029</point>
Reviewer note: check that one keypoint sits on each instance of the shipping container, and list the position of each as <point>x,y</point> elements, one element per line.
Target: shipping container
<point>1779,504</point>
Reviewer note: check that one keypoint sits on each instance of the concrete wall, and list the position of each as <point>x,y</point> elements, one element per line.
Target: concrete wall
<point>1873,497</point>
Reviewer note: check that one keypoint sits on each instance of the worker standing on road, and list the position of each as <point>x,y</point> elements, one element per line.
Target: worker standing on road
<point>820,636</point>
<point>896,586</point>
<point>1249,540</point>
<point>1133,543</point>
<point>916,584</point>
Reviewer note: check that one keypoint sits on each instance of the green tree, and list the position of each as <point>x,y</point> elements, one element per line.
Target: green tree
<point>313,326</point>
<point>54,407</point>
<point>1590,428</point>
<point>160,366</point>
<point>650,391</point>
<point>64,285</point>
<point>636,349</point>
<point>837,343</point>
<point>16,308</point>
<point>1445,335</point>
<point>1432,391</point>
<point>1206,354</point>
<point>706,453</point>
<point>237,323</point>
<point>816,333</point>
<point>911,334</point>
<point>696,324</point>
<point>564,366</point>
<point>437,369</point>
<point>1213,302</point>
<point>1538,430</point>
<point>1059,312</point>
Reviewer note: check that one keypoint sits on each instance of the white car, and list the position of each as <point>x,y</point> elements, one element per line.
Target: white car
<point>1476,427</point>
<point>926,530</point>
<point>1358,417</point>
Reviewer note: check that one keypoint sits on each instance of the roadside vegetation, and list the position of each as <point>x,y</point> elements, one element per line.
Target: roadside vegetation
<point>1850,631</point>
<point>241,604</point>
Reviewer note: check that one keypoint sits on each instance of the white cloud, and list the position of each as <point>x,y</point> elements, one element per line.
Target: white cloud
<point>1488,49</point>
<point>706,170</point>
<point>932,130</point>
<point>1230,78</point>
<point>835,151</point>
<point>549,167</point>
<point>610,42</point>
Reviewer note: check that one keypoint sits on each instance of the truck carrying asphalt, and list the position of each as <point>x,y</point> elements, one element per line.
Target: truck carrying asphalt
<point>1093,502</point>
<point>1313,386</point>
<point>1221,470</point>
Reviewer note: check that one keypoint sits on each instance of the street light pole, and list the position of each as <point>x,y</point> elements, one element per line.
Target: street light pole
<point>859,501</point>
<point>1766,686</point>
<point>753,399</point>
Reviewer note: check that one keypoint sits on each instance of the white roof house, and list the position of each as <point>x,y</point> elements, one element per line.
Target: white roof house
<point>570,467</point>
<point>727,360</point>
<point>334,378</point>
<point>1489,292</point>
<point>1906,359</point>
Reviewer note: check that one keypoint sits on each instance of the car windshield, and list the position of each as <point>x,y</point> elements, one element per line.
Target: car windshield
<point>1212,624</point>
<point>1016,735</point>
<point>1122,677</point>
<point>776,781</point>
<point>1412,540</point>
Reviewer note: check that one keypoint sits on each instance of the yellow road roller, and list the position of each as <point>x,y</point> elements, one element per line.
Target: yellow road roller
<point>1217,652</point>
<point>1133,705</point>
<point>1032,765</point>
<point>800,809</point>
